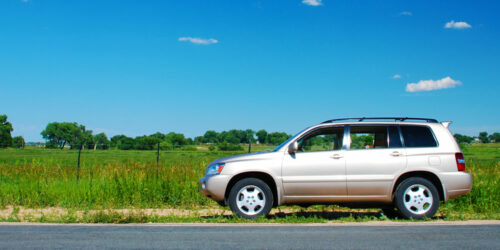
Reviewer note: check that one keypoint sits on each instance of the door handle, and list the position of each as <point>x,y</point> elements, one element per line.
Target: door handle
<point>336,156</point>
<point>396,153</point>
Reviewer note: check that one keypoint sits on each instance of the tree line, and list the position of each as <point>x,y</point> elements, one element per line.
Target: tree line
<point>483,137</point>
<point>73,135</point>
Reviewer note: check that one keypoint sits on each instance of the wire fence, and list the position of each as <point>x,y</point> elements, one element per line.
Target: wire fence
<point>158,149</point>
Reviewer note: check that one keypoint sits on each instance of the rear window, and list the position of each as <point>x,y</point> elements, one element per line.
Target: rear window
<point>418,136</point>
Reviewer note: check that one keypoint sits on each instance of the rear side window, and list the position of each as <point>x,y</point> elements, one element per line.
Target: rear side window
<point>368,137</point>
<point>417,136</point>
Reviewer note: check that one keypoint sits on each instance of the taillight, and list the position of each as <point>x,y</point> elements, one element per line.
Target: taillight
<point>460,161</point>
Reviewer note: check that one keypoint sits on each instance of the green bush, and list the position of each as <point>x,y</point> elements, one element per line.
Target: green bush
<point>229,147</point>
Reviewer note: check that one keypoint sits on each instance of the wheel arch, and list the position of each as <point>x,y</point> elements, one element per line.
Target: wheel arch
<point>265,177</point>
<point>423,174</point>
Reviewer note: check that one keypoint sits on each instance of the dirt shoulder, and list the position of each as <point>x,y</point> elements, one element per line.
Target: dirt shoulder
<point>219,215</point>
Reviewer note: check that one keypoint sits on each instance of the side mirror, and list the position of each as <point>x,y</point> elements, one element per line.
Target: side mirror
<point>293,147</point>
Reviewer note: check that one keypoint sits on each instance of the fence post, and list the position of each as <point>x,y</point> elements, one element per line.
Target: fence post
<point>78,166</point>
<point>249,146</point>
<point>157,158</point>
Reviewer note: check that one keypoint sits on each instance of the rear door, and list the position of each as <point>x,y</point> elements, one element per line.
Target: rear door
<point>374,159</point>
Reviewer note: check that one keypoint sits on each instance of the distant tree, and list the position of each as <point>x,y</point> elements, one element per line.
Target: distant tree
<point>230,137</point>
<point>249,136</point>
<point>240,134</point>
<point>463,139</point>
<point>101,141</point>
<point>262,136</point>
<point>125,143</point>
<point>145,142</point>
<point>18,142</point>
<point>80,136</point>
<point>58,134</point>
<point>115,139</point>
<point>176,139</point>
<point>276,138</point>
<point>159,136</point>
<point>5,129</point>
<point>210,137</point>
<point>495,137</point>
<point>198,140</point>
<point>87,138</point>
<point>483,137</point>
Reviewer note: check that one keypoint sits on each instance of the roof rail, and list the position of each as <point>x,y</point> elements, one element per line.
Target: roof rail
<point>401,119</point>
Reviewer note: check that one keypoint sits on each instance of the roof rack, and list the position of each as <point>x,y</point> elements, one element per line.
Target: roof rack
<point>400,119</point>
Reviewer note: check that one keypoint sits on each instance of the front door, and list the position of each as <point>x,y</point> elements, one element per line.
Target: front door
<point>317,169</point>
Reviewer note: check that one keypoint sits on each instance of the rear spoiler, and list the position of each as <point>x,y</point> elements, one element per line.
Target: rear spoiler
<point>446,124</point>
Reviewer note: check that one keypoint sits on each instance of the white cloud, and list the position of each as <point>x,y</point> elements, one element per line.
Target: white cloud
<point>312,2</point>
<point>428,85</point>
<point>457,25</point>
<point>405,13</point>
<point>197,40</point>
<point>396,76</point>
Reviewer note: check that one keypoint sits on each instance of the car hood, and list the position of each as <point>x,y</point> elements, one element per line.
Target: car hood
<point>246,157</point>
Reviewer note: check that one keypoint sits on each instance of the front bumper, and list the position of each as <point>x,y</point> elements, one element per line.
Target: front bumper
<point>214,186</point>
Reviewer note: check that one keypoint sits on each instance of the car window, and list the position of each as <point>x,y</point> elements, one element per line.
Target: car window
<point>417,136</point>
<point>324,139</point>
<point>288,140</point>
<point>368,137</point>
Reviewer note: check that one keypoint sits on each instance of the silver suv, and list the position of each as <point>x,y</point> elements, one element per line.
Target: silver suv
<point>399,164</point>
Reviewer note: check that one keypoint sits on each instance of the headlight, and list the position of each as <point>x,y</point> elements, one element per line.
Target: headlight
<point>215,169</point>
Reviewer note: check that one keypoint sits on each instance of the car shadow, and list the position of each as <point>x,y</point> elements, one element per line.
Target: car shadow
<point>326,215</point>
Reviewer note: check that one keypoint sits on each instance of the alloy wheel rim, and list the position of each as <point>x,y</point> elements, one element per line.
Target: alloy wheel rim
<point>418,199</point>
<point>250,200</point>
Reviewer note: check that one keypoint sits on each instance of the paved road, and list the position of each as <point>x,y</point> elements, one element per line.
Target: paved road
<point>256,237</point>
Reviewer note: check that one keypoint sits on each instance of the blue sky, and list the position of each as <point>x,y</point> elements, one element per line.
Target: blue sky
<point>137,67</point>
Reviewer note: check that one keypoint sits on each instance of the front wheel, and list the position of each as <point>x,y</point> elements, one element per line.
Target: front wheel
<point>417,198</point>
<point>250,198</point>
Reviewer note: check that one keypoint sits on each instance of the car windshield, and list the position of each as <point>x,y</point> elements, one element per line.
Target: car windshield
<point>288,140</point>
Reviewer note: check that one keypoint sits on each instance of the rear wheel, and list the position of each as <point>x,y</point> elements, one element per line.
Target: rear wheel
<point>417,198</point>
<point>250,198</point>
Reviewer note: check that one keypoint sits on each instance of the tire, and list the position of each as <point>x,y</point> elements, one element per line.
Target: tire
<point>417,198</point>
<point>250,198</point>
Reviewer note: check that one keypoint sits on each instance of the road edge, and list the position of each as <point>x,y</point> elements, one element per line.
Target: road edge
<point>330,224</point>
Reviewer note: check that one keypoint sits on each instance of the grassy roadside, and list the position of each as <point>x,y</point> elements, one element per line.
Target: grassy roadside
<point>123,186</point>
<point>315,214</point>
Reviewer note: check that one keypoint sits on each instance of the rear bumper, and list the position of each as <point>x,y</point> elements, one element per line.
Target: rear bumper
<point>214,186</point>
<point>456,184</point>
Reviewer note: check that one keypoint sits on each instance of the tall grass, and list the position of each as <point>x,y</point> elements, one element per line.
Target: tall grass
<point>108,179</point>
<point>125,179</point>
<point>483,161</point>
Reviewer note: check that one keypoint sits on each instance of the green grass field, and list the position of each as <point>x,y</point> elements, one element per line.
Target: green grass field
<point>113,179</point>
